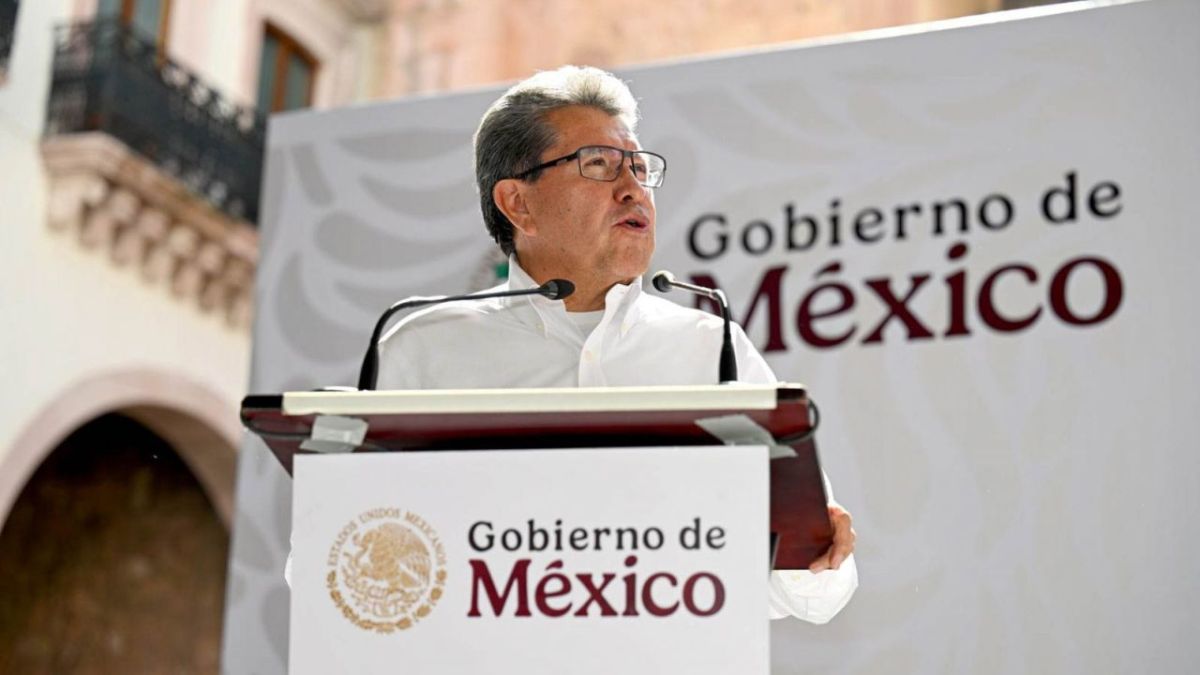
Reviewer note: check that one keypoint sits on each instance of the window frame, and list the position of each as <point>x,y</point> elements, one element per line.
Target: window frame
<point>288,47</point>
<point>164,21</point>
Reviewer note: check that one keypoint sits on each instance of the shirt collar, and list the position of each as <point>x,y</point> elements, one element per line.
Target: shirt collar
<point>618,302</point>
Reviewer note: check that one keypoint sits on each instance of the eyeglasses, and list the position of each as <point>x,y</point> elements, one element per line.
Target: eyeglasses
<point>604,163</point>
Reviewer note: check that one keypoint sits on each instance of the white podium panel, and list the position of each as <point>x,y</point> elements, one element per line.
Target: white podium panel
<point>638,560</point>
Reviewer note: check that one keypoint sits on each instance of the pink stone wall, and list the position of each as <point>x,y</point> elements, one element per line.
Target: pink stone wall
<point>440,45</point>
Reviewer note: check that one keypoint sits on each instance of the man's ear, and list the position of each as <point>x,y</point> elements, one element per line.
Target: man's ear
<point>509,195</point>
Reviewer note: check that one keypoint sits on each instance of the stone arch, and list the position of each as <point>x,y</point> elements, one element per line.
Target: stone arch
<point>202,428</point>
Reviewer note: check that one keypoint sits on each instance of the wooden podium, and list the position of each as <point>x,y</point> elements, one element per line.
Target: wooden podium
<point>516,419</point>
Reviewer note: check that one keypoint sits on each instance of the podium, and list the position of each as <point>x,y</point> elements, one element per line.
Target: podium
<point>525,419</point>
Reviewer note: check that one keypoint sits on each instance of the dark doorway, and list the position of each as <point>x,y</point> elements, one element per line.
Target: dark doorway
<point>112,561</point>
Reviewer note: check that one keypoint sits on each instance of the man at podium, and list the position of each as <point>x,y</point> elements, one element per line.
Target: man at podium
<point>567,192</point>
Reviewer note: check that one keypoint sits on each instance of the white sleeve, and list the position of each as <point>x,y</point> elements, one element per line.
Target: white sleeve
<point>752,367</point>
<point>287,566</point>
<point>813,597</point>
<point>395,371</point>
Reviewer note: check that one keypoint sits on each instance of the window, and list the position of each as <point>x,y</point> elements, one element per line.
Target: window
<point>8,29</point>
<point>147,17</point>
<point>285,73</point>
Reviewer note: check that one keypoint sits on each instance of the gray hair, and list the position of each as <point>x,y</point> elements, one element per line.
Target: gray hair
<point>514,132</point>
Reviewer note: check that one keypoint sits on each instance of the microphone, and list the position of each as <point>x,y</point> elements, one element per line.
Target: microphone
<point>555,289</point>
<point>664,281</point>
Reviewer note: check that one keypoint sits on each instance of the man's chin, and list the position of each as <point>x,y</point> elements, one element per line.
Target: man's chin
<point>624,264</point>
<point>627,273</point>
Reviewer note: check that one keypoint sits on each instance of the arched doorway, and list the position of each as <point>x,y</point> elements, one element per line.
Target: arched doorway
<point>112,559</point>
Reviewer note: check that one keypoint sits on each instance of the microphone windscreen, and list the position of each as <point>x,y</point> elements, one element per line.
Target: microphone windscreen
<point>557,289</point>
<point>662,280</point>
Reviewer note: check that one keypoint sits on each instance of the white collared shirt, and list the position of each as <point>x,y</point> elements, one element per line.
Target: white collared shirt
<point>640,339</point>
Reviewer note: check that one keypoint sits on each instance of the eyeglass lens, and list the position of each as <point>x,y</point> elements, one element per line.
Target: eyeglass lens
<point>604,163</point>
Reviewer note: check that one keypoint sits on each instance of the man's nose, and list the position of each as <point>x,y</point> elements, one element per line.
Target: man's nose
<point>628,187</point>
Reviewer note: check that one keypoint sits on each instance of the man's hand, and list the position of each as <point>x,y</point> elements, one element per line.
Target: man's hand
<point>843,541</point>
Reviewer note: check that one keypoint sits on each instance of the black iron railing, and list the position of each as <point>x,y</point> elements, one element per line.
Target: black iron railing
<point>8,28</point>
<point>109,78</point>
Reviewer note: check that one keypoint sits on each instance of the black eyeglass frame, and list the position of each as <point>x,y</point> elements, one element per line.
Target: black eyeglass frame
<point>625,155</point>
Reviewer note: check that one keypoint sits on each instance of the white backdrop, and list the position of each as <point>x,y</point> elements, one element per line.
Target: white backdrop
<point>1024,496</point>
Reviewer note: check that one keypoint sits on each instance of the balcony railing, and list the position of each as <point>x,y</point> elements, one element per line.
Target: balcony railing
<point>108,78</point>
<point>8,27</point>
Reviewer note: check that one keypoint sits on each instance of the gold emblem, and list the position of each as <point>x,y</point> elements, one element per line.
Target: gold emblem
<point>387,570</point>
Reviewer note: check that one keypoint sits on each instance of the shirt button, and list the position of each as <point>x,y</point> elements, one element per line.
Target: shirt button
<point>588,356</point>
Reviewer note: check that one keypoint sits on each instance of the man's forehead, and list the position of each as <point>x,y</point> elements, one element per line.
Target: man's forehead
<point>583,125</point>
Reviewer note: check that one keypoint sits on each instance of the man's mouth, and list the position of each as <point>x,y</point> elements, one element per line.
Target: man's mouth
<point>633,223</point>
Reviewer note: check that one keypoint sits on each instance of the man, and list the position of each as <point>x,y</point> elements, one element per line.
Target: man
<point>567,192</point>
